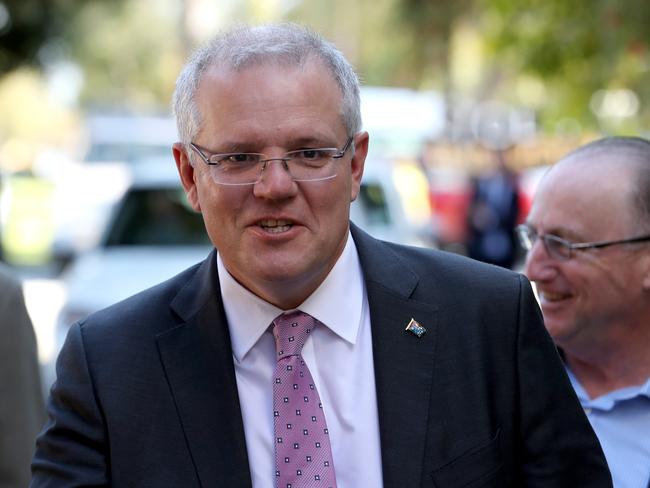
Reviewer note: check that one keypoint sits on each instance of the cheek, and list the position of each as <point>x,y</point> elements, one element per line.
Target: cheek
<point>220,206</point>
<point>332,207</point>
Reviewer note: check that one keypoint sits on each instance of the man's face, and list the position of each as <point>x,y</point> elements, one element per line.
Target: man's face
<point>279,238</point>
<point>582,298</point>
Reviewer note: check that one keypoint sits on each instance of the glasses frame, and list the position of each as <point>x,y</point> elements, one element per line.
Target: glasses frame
<point>206,156</point>
<point>528,236</point>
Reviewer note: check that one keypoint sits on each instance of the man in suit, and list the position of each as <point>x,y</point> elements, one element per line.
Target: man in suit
<point>588,242</point>
<point>493,214</point>
<point>21,399</point>
<point>421,369</point>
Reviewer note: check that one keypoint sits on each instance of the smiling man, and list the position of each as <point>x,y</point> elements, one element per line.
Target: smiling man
<point>303,353</point>
<point>588,242</point>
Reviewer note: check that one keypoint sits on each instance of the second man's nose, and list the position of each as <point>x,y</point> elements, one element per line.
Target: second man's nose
<point>539,264</point>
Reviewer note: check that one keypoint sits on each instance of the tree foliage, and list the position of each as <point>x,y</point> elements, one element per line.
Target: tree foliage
<point>27,26</point>
<point>130,50</point>
<point>576,48</point>
<point>130,53</point>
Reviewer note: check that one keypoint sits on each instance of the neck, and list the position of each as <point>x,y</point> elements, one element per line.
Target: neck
<point>601,370</point>
<point>286,297</point>
<point>286,294</point>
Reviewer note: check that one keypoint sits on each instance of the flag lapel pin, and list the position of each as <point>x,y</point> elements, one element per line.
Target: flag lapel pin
<point>415,328</point>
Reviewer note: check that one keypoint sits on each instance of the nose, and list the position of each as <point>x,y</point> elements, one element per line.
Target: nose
<point>275,181</point>
<point>539,266</point>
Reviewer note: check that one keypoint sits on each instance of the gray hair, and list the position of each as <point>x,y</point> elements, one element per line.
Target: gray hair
<point>628,150</point>
<point>243,46</point>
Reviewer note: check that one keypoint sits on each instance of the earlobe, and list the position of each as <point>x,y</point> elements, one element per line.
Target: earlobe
<point>645,266</point>
<point>186,174</point>
<point>646,279</point>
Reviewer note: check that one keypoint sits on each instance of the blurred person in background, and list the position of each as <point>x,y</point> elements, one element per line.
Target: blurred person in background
<point>493,214</point>
<point>588,242</point>
<point>418,367</point>
<point>22,409</point>
<point>2,255</point>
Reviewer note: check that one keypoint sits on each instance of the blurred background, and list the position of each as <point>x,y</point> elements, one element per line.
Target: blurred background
<point>90,209</point>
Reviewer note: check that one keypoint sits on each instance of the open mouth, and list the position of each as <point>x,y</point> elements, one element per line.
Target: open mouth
<point>551,297</point>
<point>275,226</point>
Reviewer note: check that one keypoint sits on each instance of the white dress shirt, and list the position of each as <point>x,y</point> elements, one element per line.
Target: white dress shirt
<point>339,357</point>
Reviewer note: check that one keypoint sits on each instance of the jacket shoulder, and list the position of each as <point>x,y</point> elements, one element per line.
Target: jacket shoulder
<point>147,312</point>
<point>444,271</point>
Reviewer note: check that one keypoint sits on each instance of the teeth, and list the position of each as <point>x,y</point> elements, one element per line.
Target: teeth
<point>276,226</point>
<point>554,297</point>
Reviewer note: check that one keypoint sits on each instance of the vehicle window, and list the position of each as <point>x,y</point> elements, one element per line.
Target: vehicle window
<point>373,200</point>
<point>149,217</point>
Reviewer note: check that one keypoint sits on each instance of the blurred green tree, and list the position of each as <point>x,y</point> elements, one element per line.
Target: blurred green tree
<point>26,26</point>
<point>577,49</point>
<point>130,52</point>
<point>565,56</point>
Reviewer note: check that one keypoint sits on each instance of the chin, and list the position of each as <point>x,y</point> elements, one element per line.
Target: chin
<point>280,272</point>
<point>556,328</point>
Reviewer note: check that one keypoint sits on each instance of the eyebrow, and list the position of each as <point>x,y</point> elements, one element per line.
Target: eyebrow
<point>560,232</point>
<point>252,145</point>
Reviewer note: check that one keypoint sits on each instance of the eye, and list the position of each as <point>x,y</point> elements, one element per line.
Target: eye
<point>311,154</point>
<point>558,245</point>
<point>236,158</point>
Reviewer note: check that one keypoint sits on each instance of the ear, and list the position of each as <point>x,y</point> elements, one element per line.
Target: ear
<point>187,174</point>
<point>358,162</point>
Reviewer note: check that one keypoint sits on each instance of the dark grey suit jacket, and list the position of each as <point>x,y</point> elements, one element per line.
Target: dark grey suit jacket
<point>22,410</point>
<point>146,393</point>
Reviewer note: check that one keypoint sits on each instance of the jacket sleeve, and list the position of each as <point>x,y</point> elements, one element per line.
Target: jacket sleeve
<point>72,449</point>
<point>21,400</point>
<point>558,441</point>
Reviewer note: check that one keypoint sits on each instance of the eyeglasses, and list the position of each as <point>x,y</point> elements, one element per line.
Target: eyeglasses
<point>246,168</point>
<point>561,248</point>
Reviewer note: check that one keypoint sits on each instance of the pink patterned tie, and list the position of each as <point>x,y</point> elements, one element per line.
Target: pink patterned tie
<point>303,456</point>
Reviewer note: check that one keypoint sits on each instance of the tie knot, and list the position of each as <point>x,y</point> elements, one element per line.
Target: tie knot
<point>291,331</point>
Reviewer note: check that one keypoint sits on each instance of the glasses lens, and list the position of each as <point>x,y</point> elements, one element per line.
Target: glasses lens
<point>235,169</point>
<point>247,168</point>
<point>312,165</point>
<point>557,247</point>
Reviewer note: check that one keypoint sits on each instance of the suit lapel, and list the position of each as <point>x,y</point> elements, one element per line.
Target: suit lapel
<point>197,359</point>
<point>205,391</point>
<point>403,361</point>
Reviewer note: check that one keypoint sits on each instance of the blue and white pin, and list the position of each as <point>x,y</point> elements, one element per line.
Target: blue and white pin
<point>414,327</point>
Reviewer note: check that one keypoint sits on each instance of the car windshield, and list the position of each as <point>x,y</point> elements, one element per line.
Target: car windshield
<point>156,217</point>
<point>373,200</point>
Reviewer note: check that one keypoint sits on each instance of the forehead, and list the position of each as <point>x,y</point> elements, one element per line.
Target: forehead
<point>309,74</point>
<point>590,196</point>
<point>269,96</point>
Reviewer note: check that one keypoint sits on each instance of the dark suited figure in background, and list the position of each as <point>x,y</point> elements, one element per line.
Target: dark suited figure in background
<point>493,214</point>
<point>430,369</point>
<point>588,242</point>
<point>22,409</point>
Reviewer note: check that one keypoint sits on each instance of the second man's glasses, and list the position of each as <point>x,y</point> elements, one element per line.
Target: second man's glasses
<point>561,248</point>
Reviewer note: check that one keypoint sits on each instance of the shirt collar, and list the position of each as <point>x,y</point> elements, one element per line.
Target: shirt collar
<point>608,400</point>
<point>249,316</point>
